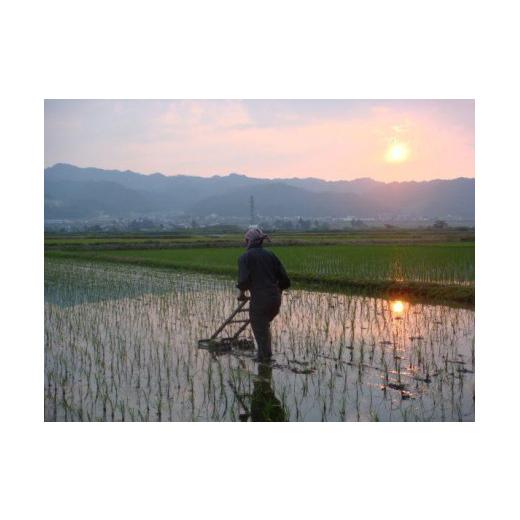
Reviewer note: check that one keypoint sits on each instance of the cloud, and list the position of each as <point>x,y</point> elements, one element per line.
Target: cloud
<point>327,139</point>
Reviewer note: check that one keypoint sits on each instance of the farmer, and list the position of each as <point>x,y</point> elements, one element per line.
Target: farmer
<point>260,272</point>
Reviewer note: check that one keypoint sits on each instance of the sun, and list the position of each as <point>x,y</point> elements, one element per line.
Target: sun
<point>397,152</point>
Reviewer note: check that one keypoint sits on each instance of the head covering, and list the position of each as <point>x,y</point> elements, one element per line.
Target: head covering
<point>254,236</point>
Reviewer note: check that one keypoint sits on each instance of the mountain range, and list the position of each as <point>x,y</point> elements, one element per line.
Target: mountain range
<point>78,193</point>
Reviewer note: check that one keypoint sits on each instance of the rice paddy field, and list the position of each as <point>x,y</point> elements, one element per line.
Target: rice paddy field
<point>440,263</point>
<point>121,341</point>
<point>424,266</point>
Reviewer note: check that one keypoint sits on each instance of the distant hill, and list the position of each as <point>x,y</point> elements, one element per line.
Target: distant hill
<point>76,193</point>
<point>280,199</point>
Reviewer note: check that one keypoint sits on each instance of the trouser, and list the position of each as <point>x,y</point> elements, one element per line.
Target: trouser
<point>264,307</point>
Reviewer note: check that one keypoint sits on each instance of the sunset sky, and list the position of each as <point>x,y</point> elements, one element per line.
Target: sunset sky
<point>329,139</point>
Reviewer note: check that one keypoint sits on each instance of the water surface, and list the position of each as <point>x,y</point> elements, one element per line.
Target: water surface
<point>121,345</point>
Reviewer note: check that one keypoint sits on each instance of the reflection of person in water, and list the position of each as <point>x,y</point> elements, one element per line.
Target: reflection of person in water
<point>265,406</point>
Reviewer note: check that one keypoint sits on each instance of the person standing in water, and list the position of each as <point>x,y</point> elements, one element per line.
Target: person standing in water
<point>261,272</point>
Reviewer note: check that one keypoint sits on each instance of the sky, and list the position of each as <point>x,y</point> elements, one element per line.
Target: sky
<point>387,140</point>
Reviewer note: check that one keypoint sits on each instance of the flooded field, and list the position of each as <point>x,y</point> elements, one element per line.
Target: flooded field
<point>121,345</point>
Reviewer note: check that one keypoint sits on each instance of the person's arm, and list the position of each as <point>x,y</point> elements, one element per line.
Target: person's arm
<point>244,276</point>
<point>281,274</point>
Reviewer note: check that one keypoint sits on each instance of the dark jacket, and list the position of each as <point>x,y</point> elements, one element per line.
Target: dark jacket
<point>260,270</point>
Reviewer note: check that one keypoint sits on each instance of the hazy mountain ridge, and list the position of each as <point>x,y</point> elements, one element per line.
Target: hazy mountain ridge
<point>73,192</point>
<point>280,199</point>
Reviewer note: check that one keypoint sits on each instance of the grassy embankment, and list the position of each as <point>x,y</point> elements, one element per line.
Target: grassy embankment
<point>168,240</point>
<point>421,265</point>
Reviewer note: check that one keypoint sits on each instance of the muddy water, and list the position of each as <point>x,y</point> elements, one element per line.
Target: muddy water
<point>121,344</point>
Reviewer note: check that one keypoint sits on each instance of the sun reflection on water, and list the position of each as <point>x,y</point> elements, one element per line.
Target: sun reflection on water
<point>397,306</point>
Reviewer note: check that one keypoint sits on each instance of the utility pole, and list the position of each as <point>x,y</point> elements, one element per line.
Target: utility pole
<point>252,209</point>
